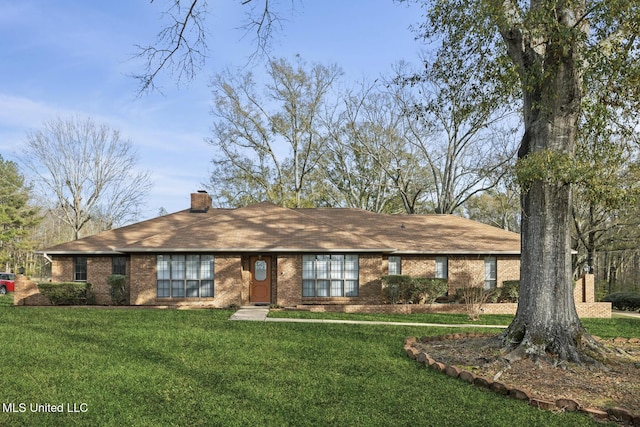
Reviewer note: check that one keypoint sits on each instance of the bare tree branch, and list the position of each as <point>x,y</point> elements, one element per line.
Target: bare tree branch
<point>180,48</point>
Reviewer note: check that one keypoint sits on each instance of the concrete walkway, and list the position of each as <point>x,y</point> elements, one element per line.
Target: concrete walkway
<point>627,313</point>
<point>251,312</point>
<point>259,314</point>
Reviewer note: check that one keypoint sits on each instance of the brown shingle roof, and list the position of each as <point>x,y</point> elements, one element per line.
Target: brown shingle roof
<point>265,227</point>
<point>445,234</point>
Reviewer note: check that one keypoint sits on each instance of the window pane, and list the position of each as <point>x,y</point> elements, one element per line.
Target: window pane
<point>308,266</point>
<point>163,267</point>
<point>490,272</point>
<point>206,288</point>
<point>193,267</point>
<point>260,270</point>
<point>324,275</point>
<point>337,266</point>
<point>351,267</point>
<point>351,288</point>
<point>172,270</point>
<point>395,264</point>
<point>119,265</point>
<point>193,286</point>
<point>80,268</point>
<point>441,268</point>
<point>322,267</point>
<point>177,288</point>
<point>163,289</point>
<point>322,288</point>
<point>308,288</point>
<point>336,288</point>
<point>206,267</point>
<point>177,267</point>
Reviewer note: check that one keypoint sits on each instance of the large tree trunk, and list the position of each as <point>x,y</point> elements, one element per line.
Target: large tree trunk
<point>546,321</point>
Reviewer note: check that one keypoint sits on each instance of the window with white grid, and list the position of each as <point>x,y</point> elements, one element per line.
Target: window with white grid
<point>330,275</point>
<point>184,276</point>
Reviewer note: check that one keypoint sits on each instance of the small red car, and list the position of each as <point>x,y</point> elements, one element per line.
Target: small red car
<point>7,282</point>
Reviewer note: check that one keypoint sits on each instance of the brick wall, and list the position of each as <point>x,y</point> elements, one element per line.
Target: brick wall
<point>26,292</point>
<point>593,310</point>
<point>62,269</point>
<point>98,269</point>
<point>585,291</point>
<point>142,276</point>
<point>589,309</point>
<point>289,280</point>
<point>417,266</point>
<point>508,269</point>
<point>465,272</point>
<point>232,277</point>
<point>228,285</point>
<point>469,271</point>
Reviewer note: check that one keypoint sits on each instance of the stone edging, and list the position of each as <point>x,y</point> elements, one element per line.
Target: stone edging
<point>616,414</point>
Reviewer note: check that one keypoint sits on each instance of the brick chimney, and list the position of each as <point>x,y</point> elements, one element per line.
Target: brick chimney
<point>200,202</point>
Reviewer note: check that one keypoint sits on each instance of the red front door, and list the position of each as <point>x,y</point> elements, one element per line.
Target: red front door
<point>260,287</point>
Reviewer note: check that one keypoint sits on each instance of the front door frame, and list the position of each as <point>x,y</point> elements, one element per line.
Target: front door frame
<point>256,288</point>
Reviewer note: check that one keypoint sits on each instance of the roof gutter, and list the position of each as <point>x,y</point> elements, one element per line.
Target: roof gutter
<point>44,254</point>
<point>458,252</point>
<point>263,250</point>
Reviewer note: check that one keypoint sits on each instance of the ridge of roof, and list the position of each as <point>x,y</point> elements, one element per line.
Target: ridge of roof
<point>243,227</point>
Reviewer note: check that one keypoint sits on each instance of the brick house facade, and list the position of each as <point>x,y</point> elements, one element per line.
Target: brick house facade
<point>218,257</point>
<point>233,277</point>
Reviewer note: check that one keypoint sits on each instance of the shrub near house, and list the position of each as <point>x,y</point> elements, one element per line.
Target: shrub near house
<point>70,293</point>
<point>414,290</point>
<point>625,301</point>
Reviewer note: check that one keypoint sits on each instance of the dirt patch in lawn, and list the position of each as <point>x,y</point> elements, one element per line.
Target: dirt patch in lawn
<point>615,385</point>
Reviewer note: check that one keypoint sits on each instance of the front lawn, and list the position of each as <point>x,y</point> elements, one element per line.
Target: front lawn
<point>449,318</point>
<point>625,327</point>
<point>143,367</point>
<point>6,300</point>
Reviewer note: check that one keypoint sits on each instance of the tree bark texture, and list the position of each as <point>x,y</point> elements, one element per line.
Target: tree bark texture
<point>546,321</point>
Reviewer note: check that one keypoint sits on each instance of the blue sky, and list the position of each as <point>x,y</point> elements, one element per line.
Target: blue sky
<point>65,58</point>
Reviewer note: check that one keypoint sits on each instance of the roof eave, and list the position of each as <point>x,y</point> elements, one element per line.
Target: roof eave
<point>263,250</point>
<point>77,252</point>
<point>456,252</point>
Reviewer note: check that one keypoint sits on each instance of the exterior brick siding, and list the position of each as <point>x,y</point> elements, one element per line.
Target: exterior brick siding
<point>289,280</point>
<point>232,279</point>
<point>417,266</point>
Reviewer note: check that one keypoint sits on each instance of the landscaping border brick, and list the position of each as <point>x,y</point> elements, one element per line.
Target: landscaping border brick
<point>615,414</point>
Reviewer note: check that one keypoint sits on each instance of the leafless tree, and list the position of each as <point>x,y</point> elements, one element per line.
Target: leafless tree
<point>269,145</point>
<point>86,172</point>
<point>372,164</point>
<point>181,48</point>
<point>460,129</point>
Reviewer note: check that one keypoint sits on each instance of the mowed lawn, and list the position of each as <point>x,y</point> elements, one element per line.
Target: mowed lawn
<point>144,367</point>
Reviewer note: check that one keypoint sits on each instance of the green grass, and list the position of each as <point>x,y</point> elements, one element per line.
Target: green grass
<point>6,300</point>
<point>605,328</point>
<point>142,367</point>
<point>457,319</point>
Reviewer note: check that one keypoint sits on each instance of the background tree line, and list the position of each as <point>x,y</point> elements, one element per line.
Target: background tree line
<point>76,178</point>
<point>411,142</point>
